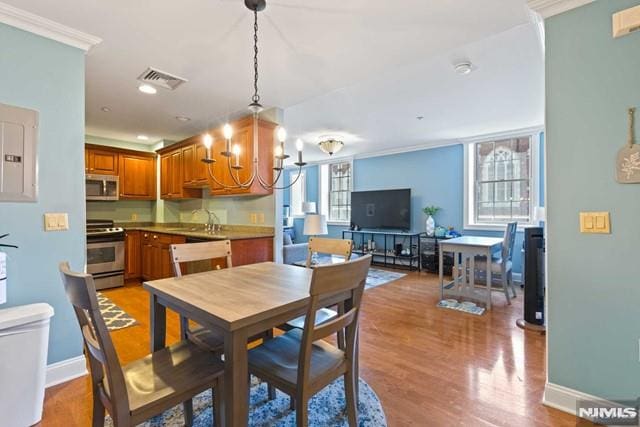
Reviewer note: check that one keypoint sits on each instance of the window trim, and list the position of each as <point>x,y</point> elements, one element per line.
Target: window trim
<point>323,199</point>
<point>303,181</point>
<point>469,178</point>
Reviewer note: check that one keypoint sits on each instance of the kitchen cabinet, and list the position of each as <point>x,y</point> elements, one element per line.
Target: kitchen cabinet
<point>137,176</point>
<point>132,255</point>
<point>251,251</point>
<point>172,177</point>
<point>156,254</point>
<point>100,161</point>
<point>194,173</point>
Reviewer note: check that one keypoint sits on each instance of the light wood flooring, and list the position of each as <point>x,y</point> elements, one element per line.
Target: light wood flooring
<point>429,366</point>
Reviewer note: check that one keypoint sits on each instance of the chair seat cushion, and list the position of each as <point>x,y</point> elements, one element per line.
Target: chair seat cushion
<point>278,358</point>
<point>206,339</point>
<point>496,264</point>
<point>322,316</point>
<point>162,375</point>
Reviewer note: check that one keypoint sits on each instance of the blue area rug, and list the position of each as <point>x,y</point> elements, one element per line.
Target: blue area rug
<point>377,277</point>
<point>326,409</point>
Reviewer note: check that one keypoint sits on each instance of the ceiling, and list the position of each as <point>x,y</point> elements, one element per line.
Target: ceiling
<point>359,68</point>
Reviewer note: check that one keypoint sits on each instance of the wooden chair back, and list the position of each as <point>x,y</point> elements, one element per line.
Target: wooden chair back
<point>340,247</point>
<point>348,278</point>
<point>509,241</point>
<point>190,252</point>
<point>106,373</point>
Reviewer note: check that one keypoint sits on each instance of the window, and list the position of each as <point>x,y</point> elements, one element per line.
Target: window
<point>501,181</point>
<point>297,192</point>
<point>336,183</point>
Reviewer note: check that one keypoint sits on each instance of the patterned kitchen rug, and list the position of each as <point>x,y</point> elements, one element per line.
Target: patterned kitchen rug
<point>378,277</point>
<point>326,409</point>
<point>115,317</point>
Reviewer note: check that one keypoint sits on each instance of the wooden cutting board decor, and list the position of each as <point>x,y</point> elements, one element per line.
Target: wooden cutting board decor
<point>628,160</point>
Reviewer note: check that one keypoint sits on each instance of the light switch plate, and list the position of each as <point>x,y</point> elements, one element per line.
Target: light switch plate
<point>56,221</point>
<point>595,222</point>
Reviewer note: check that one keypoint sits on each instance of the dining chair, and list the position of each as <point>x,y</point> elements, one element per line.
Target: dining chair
<point>300,362</point>
<point>139,390</point>
<point>337,247</point>
<point>502,262</point>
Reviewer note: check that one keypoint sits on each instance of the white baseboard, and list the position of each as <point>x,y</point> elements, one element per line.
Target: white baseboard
<point>66,370</point>
<point>565,398</point>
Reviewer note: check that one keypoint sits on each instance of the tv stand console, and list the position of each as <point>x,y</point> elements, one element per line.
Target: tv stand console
<point>385,247</point>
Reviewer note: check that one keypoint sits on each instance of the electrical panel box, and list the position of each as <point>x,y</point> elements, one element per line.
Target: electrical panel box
<point>18,140</point>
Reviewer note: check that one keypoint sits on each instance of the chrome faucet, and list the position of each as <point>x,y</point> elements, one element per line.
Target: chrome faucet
<point>213,224</point>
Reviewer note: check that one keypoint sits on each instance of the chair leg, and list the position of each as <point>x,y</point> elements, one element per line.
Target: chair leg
<point>302,415</point>
<point>292,403</point>
<point>218,392</point>
<point>97,419</point>
<point>350,397</point>
<point>341,337</point>
<point>188,412</point>
<point>513,288</point>
<point>271,392</point>
<point>184,327</point>
<point>505,285</point>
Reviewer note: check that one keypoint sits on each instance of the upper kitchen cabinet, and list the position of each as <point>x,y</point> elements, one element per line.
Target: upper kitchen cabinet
<point>172,176</point>
<point>243,137</point>
<point>136,170</point>
<point>194,170</point>
<point>100,161</point>
<point>137,176</point>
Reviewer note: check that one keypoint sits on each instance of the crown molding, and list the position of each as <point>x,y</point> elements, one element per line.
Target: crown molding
<point>44,27</point>
<point>548,8</point>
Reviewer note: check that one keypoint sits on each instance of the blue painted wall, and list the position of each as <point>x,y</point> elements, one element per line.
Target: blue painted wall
<point>593,280</point>
<point>435,177</point>
<point>47,76</point>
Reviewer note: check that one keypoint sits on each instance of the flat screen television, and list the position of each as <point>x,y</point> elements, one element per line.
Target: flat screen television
<point>383,209</point>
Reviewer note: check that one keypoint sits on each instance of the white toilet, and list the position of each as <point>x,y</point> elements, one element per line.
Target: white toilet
<point>24,336</point>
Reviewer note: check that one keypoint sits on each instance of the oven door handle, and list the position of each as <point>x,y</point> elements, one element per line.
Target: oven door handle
<point>109,274</point>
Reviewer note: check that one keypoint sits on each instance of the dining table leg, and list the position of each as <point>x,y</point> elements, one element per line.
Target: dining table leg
<point>236,375</point>
<point>441,272</point>
<point>158,323</point>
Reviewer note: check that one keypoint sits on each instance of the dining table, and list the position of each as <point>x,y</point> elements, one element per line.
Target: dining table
<point>240,302</point>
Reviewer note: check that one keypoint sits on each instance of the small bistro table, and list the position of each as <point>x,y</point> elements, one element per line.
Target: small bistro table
<point>465,249</point>
<point>241,302</point>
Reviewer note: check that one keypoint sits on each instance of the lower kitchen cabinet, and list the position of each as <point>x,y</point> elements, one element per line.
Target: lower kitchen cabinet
<point>251,251</point>
<point>133,255</point>
<point>156,255</point>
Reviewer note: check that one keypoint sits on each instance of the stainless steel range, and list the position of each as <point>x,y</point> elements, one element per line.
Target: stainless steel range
<point>105,253</point>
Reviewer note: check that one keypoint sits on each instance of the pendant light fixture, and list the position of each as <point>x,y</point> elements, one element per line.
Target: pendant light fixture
<point>232,151</point>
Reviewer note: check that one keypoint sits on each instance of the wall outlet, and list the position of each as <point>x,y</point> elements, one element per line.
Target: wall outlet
<point>261,218</point>
<point>134,216</point>
<point>56,221</point>
<point>253,218</point>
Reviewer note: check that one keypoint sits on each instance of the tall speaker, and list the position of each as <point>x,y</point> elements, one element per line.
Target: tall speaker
<point>533,277</point>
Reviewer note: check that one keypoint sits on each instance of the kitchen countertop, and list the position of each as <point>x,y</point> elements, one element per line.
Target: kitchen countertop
<point>230,232</point>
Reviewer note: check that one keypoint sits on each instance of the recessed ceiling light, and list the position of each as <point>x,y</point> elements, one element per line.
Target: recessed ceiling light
<point>106,109</point>
<point>463,68</point>
<point>147,89</point>
<point>182,118</point>
<point>143,137</point>
<point>420,117</point>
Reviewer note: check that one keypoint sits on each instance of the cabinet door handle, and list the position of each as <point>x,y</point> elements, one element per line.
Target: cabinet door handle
<point>146,235</point>
<point>155,237</point>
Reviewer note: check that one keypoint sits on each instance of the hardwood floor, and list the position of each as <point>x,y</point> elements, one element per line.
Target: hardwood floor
<point>429,366</point>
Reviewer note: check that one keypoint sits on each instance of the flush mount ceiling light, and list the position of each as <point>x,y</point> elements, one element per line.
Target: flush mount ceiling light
<point>231,150</point>
<point>105,109</point>
<point>330,146</point>
<point>182,118</point>
<point>148,89</point>
<point>143,137</point>
<point>463,68</point>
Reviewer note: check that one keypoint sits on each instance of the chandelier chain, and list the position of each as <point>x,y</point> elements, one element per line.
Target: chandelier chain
<point>256,97</point>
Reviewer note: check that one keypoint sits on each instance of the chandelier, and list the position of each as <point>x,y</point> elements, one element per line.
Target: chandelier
<point>233,150</point>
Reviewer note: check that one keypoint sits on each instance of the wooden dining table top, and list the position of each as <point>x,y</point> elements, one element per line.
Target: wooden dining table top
<point>240,296</point>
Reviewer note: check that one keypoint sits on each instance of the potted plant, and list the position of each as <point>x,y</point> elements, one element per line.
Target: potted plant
<point>431,211</point>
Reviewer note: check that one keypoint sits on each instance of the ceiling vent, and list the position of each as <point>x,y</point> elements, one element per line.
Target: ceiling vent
<point>626,22</point>
<point>159,78</point>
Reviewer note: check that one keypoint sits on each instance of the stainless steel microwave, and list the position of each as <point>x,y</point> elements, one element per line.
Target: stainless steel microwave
<point>102,187</point>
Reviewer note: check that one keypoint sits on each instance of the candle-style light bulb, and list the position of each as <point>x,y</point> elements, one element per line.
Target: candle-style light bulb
<point>207,140</point>
<point>277,151</point>
<point>299,144</point>
<point>236,153</point>
<point>282,134</point>
<point>227,131</point>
